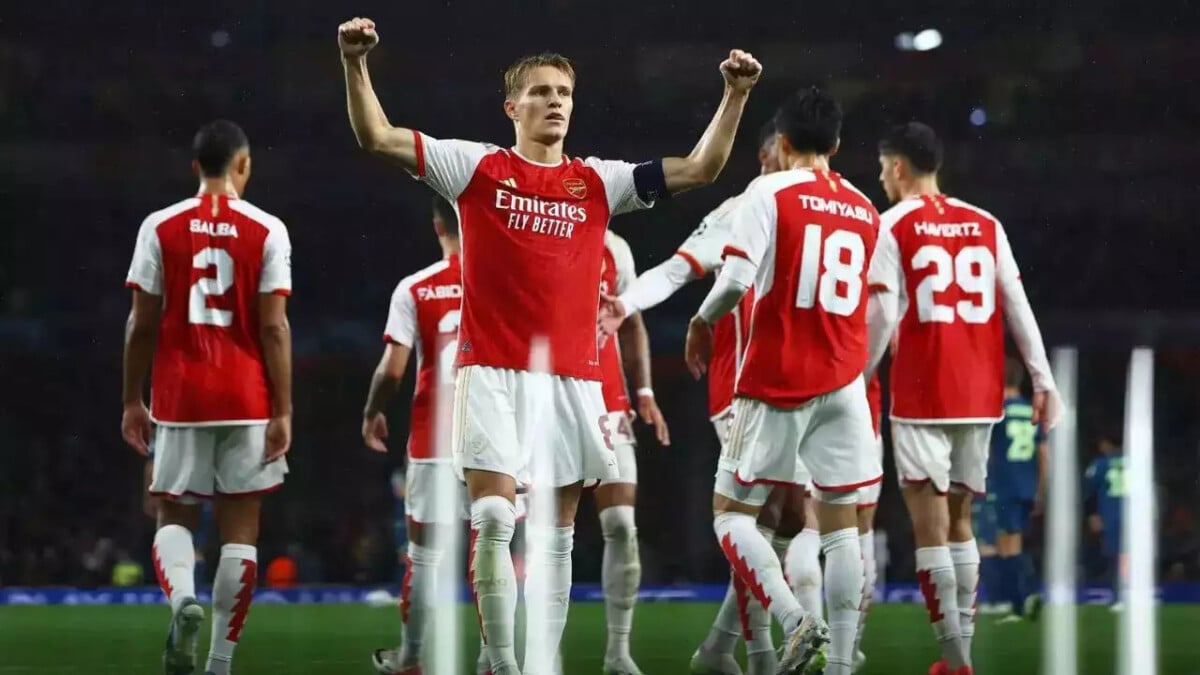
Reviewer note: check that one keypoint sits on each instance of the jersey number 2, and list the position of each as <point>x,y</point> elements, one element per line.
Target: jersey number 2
<point>198,310</point>
<point>839,286</point>
<point>446,358</point>
<point>973,269</point>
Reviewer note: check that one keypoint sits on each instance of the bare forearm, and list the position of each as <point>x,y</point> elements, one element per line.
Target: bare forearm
<point>277,357</point>
<point>140,340</point>
<point>635,351</point>
<point>712,150</point>
<point>383,389</point>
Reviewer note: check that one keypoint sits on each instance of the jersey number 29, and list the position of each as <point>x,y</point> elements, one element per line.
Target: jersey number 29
<point>973,269</point>
<point>839,286</point>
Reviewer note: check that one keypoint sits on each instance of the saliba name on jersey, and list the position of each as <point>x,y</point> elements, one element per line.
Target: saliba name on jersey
<point>823,205</point>
<point>198,226</point>
<point>439,292</point>
<point>948,229</point>
<point>541,216</point>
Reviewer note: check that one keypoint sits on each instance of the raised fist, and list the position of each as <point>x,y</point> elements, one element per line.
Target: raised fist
<point>741,70</point>
<point>357,36</point>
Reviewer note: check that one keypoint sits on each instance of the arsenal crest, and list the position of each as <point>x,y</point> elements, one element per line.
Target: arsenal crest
<point>575,187</point>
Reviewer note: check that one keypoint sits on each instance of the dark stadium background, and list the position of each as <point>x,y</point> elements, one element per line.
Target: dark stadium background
<point>1088,154</point>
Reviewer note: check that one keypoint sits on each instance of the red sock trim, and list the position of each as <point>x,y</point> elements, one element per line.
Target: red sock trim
<point>244,596</point>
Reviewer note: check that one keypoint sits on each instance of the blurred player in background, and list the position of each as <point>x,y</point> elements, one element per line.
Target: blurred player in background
<point>1104,488</point>
<point>802,238</point>
<point>621,570</point>
<point>1017,479</point>
<point>942,271</point>
<point>698,256</point>
<point>983,524</point>
<point>210,278</point>
<point>533,239</point>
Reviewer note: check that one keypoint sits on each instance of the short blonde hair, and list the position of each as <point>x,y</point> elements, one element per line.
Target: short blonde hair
<point>514,77</point>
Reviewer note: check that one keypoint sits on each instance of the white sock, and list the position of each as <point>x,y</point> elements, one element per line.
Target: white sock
<point>547,591</point>
<point>755,562</point>
<point>233,591</point>
<point>844,579</point>
<point>757,630</point>
<point>803,566</point>
<point>726,628</point>
<point>175,563</point>
<point>493,579</point>
<point>966,574</point>
<point>621,574</point>
<point>935,574</point>
<point>417,595</point>
<point>866,543</point>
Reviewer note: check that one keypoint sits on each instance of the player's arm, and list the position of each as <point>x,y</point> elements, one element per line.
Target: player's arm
<point>885,280</point>
<point>276,339</point>
<point>371,127</point>
<point>635,352</point>
<point>704,163</point>
<point>399,336</point>
<point>141,339</point>
<point>1026,334</point>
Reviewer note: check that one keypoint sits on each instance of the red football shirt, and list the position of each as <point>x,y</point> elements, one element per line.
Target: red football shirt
<point>532,245</point>
<point>209,257</point>
<point>424,316</point>
<point>946,259</point>
<point>617,273</point>
<point>875,400</point>
<point>810,235</point>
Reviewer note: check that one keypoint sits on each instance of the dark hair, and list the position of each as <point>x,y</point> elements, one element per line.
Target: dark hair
<point>515,75</point>
<point>915,142</point>
<point>215,145</point>
<point>443,211</point>
<point>1014,372</point>
<point>811,121</point>
<point>767,133</point>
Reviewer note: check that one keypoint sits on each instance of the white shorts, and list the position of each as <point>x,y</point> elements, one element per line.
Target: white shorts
<point>828,436</point>
<point>869,496</point>
<point>947,455</point>
<point>618,430</point>
<point>505,418</point>
<point>199,462</point>
<point>433,494</point>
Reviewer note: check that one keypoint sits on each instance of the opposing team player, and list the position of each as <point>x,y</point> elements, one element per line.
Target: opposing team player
<point>210,278</point>
<point>533,223</point>
<point>943,269</point>
<point>1017,479</point>
<point>802,238</point>
<point>621,570</point>
<point>1104,488</point>
<point>697,257</point>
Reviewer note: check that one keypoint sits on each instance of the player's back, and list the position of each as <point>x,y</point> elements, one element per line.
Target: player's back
<point>432,298</point>
<point>1013,461</point>
<point>1106,483</point>
<point>214,254</point>
<point>949,363</point>
<point>808,332</point>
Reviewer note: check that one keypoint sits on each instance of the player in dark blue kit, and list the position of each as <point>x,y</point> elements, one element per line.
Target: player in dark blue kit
<point>1016,479</point>
<point>1104,487</point>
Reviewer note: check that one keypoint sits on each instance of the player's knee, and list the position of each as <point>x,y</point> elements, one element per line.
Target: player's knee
<point>494,518</point>
<point>618,524</point>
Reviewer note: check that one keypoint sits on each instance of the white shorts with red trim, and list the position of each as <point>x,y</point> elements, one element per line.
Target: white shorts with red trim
<point>193,463</point>
<point>433,494</point>
<point>869,496</point>
<point>946,455</point>
<point>827,436</point>
<point>504,419</point>
<point>618,428</point>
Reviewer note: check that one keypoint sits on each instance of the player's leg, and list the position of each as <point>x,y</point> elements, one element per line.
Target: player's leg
<point>923,463</point>
<point>551,581</point>
<point>621,567</point>
<point>182,470</point>
<point>991,573</point>
<point>1011,556</point>
<point>803,560</point>
<point>489,456</point>
<point>867,504</point>
<point>968,479</point>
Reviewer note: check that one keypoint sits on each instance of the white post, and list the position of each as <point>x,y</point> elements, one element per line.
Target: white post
<point>1059,637</point>
<point>543,514</point>
<point>446,634</point>
<point>1138,647</point>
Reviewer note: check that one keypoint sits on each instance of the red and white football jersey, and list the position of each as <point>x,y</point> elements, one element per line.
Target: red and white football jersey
<point>210,257</point>
<point>532,245</point>
<point>946,259</point>
<point>810,234</point>
<point>616,274</point>
<point>703,250</point>
<point>424,316</point>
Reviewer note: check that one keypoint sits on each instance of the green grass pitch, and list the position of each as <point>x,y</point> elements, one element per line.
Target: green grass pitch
<point>338,639</point>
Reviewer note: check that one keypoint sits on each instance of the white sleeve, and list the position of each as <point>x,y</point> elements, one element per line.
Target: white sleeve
<point>276,276</point>
<point>885,272</point>
<point>753,227</point>
<point>1020,317</point>
<point>401,325</point>
<point>705,245</point>
<point>145,271</point>
<point>657,284</point>
<point>885,279</point>
<point>619,186</point>
<point>736,277</point>
<point>448,165</point>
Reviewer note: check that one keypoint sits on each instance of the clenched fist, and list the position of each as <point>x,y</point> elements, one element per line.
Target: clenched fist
<point>356,37</point>
<point>741,70</point>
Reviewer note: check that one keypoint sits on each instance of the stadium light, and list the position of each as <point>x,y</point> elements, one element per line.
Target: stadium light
<point>978,117</point>
<point>1062,519</point>
<point>927,40</point>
